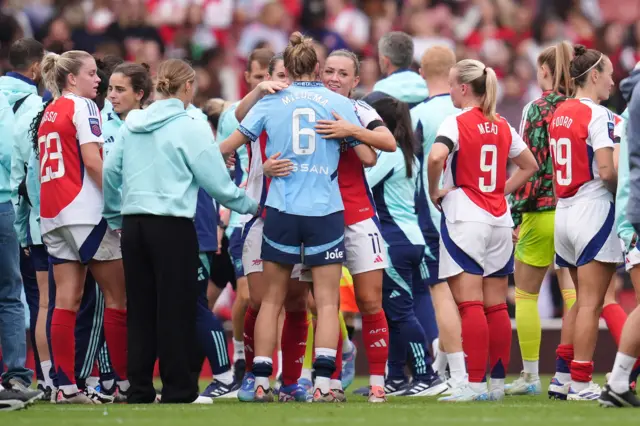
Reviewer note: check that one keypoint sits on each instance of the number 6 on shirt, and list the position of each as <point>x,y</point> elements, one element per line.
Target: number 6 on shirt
<point>488,165</point>
<point>298,132</point>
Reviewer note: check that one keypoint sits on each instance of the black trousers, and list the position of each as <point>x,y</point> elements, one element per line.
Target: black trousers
<point>160,256</point>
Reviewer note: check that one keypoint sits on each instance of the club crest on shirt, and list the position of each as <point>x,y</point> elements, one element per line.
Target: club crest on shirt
<point>94,124</point>
<point>611,128</point>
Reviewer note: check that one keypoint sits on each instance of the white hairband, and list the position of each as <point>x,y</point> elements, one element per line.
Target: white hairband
<point>591,67</point>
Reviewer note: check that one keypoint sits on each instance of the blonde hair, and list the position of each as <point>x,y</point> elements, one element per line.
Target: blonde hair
<point>483,83</point>
<point>56,68</point>
<point>558,59</point>
<point>172,75</point>
<point>300,56</point>
<point>437,61</point>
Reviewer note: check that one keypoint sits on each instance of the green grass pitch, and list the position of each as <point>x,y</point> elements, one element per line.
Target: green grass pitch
<point>513,411</point>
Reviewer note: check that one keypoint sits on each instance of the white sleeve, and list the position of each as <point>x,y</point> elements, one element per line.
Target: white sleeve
<point>601,128</point>
<point>449,129</point>
<point>88,122</point>
<point>366,113</point>
<point>517,144</point>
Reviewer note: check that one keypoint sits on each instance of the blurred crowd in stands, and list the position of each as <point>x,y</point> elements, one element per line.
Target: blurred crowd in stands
<point>217,35</point>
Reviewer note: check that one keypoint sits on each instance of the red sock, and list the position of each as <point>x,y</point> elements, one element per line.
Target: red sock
<point>95,371</point>
<point>338,371</point>
<point>615,318</point>
<point>375,330</point>
<point>249,326</point>
<point>63,345</point>
<point>294,339</point>
<point>115,334</point>
<point>475,339</point>
<point>564,357</point>
<point>499,340</point>
<point>581,371</point>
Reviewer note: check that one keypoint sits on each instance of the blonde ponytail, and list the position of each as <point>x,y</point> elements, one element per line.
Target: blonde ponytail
<point>562,74</point>
<point>48,69</point>
<point>56,68</point>
<point>490,95</point>
<point>483,82</point>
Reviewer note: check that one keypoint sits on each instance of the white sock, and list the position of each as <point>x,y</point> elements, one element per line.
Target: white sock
<point>622,366</point>
<point>262,381</point>
<point>123,385</point>
<point>440,363</point>
<point>531,367</point>
<point>335,384</point>
<point>238,350</point>
<point>496,384</point>
<point>69,389</point>
<point>479,387</point>
<point>307,373</point>
<point>347,346</point>
<point>108,384</point>
<point>226,377</point>
<point>326,352</point>
<point>376,381</point>
<point>323,383</point>
<point>457,367</point>
<point>41,383</point>
<point>279,364</point>
<point>46,371</point>
<point>92,382</point>
<point>563,377</point>
<point>1,388</point>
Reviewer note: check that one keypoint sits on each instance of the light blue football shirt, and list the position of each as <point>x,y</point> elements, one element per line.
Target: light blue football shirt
<point>289,117</point>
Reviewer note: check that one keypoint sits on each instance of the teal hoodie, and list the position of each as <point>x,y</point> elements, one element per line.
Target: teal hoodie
<point>6,140</point>
<point>25,223</point>
<point>160,158</point>
<point>404,85</point>
<point>226,126</point>
<point>33,190</point>
<point>623,226</point>
<point>15,87</point>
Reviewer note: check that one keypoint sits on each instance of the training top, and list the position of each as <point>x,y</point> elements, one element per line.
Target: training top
<point>426,118</point>
<point>537,195</point>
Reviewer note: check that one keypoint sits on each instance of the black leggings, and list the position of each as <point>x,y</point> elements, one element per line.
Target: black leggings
<point>160,256</point>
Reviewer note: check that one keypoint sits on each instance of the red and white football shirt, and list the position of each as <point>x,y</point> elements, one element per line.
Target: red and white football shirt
<point>477,166</point>
<point>68,196</point>
<point>355,192</point>
<point>579,128</point>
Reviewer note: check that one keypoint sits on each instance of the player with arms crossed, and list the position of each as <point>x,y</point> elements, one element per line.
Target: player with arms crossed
<point>476,249</point>
<point>582,140</point>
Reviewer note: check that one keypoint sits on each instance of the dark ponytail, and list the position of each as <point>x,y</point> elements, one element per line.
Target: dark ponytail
<point>35,126</point>
<point>396,116</point>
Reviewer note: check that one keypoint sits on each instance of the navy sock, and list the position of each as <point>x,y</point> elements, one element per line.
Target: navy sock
<point>211,337</point>
<point>324,366</point>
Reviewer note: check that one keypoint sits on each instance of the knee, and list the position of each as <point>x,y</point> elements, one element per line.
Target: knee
<point>369,305</point>
<point>295,303</point>
<point>69,302</point>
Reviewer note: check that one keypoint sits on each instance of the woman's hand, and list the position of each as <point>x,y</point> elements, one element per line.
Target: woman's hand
<point>438,195</point>
<point>277,168</point>
<point>269,87</point>
<point>335,129</point>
